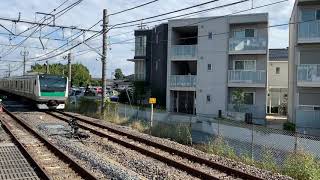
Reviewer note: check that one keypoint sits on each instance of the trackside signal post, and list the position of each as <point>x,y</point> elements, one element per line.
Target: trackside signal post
<point>152,101</point>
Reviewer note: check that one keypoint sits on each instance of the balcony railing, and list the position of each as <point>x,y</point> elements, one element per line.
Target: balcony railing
<point>309,73</point>
<point>309,30</point>
<point>139,77</point>
<point>183,81</point>
<point>184,52</point>
<point>308,116</point>
<point>247,44</point>
<point>250,77</point>
<point>256,110</point>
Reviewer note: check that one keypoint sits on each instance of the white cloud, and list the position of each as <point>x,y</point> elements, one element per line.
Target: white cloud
<point>89,12</point>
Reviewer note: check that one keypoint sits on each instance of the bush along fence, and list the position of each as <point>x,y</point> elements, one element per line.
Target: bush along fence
<point>272,149</point>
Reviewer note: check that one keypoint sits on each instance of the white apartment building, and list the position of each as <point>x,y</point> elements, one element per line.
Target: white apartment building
<point>304,65</point>
<point>277,81</point>
<point>210,58</point>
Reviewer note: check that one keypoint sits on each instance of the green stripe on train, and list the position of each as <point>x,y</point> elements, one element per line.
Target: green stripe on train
<point>56,94</point>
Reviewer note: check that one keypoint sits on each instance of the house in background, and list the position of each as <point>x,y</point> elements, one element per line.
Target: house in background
<point>277,81</point>
<point>150,59</point>
<point>304,66</point>
<point>211,58</point>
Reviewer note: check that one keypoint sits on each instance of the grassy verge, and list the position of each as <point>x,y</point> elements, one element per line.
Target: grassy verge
<point>298,165</point>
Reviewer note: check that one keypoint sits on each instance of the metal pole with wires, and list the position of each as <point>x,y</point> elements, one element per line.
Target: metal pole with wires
<point>69,71</point>
<point>24,53</point>
<point>103,60</point>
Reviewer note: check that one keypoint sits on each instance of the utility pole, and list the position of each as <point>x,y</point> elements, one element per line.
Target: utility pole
<point>24,53</point>
<point>47,67</point>
<point>103,59</point>
<point>9,70</point>
<point>69,71</point>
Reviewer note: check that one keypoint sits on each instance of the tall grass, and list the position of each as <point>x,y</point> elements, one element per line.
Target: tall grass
<point>298,165</point>
<point>180,133</point>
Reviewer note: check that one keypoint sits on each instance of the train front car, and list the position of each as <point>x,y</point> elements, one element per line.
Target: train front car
<point>52,92</point>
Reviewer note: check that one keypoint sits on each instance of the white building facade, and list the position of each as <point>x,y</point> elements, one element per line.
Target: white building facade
<point>210,58</point>
<point>277,81</point>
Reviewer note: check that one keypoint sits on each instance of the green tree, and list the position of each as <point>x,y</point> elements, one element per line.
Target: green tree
<point>80,75</point>
<point>118,74</point>
<point>238,99</point>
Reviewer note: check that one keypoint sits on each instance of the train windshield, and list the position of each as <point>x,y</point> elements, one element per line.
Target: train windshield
<point>52,83</point>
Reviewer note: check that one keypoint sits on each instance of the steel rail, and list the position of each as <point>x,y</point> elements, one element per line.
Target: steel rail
<point>42,173</point>
<point>85,174</point>
<point>191,157</point>
<point>179,165</point>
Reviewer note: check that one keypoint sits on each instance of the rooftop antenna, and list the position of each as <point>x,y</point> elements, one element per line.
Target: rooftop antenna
<point>142,26</point>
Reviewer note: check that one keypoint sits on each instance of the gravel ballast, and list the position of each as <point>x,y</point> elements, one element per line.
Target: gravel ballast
<point>224,161</point>
<point>99,150</point>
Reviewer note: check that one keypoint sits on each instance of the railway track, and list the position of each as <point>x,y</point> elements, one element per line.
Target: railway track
<point>196,166</point>
<point>50,161</point>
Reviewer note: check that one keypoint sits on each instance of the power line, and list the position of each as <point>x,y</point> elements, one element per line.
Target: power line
<point>183,15</point>
<point>45,24</point>
<point>171,12</point>
<point>135,7</point>
<point>149,17</point>
<point>63,11</point>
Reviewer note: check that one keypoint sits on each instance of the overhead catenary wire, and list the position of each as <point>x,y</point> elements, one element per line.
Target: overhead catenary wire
<point>157,15</point>
<point>262,6</point>
<point>63,11</point>
<point>135,7</point>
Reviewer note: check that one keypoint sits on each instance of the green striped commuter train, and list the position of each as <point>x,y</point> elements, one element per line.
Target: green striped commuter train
<point>44,90</point>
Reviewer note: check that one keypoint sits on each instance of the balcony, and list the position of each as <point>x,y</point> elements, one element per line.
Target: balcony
<point>183,81</point>
<point>309,32</point>
<point>242,78</point>
<point>308,75</point>
<point>184,52</point>
<point>248,45</point>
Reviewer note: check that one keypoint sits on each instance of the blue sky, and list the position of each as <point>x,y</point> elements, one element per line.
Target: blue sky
<point>90,11</point>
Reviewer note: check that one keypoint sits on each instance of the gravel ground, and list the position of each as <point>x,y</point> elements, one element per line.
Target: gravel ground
<point>225,161</point>
<point>99,150</point>
<point>56,168</point>
<point>4,137</point>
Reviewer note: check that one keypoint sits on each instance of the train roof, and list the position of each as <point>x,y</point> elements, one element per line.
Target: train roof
<point>32,75</point>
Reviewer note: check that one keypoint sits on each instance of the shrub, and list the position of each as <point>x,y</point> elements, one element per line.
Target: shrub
<point>302,166</point>
<point>289,126</point>
<point>222,148</point>
<point>267,161</point>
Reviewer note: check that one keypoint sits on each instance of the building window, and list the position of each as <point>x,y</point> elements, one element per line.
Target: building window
<point>244,33</point>
<point>246,65</point>
<point>140,45</point>
<point>310,15</point>
<point>277,70</point>
<point>209,67</point>
<point>210,35</point>
<point>248,98</point>
<point>208,98</point>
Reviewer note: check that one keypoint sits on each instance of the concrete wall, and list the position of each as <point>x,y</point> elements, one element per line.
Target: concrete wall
<point>293,30</point>
<point>278,80</point>
<point>212,51</point>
